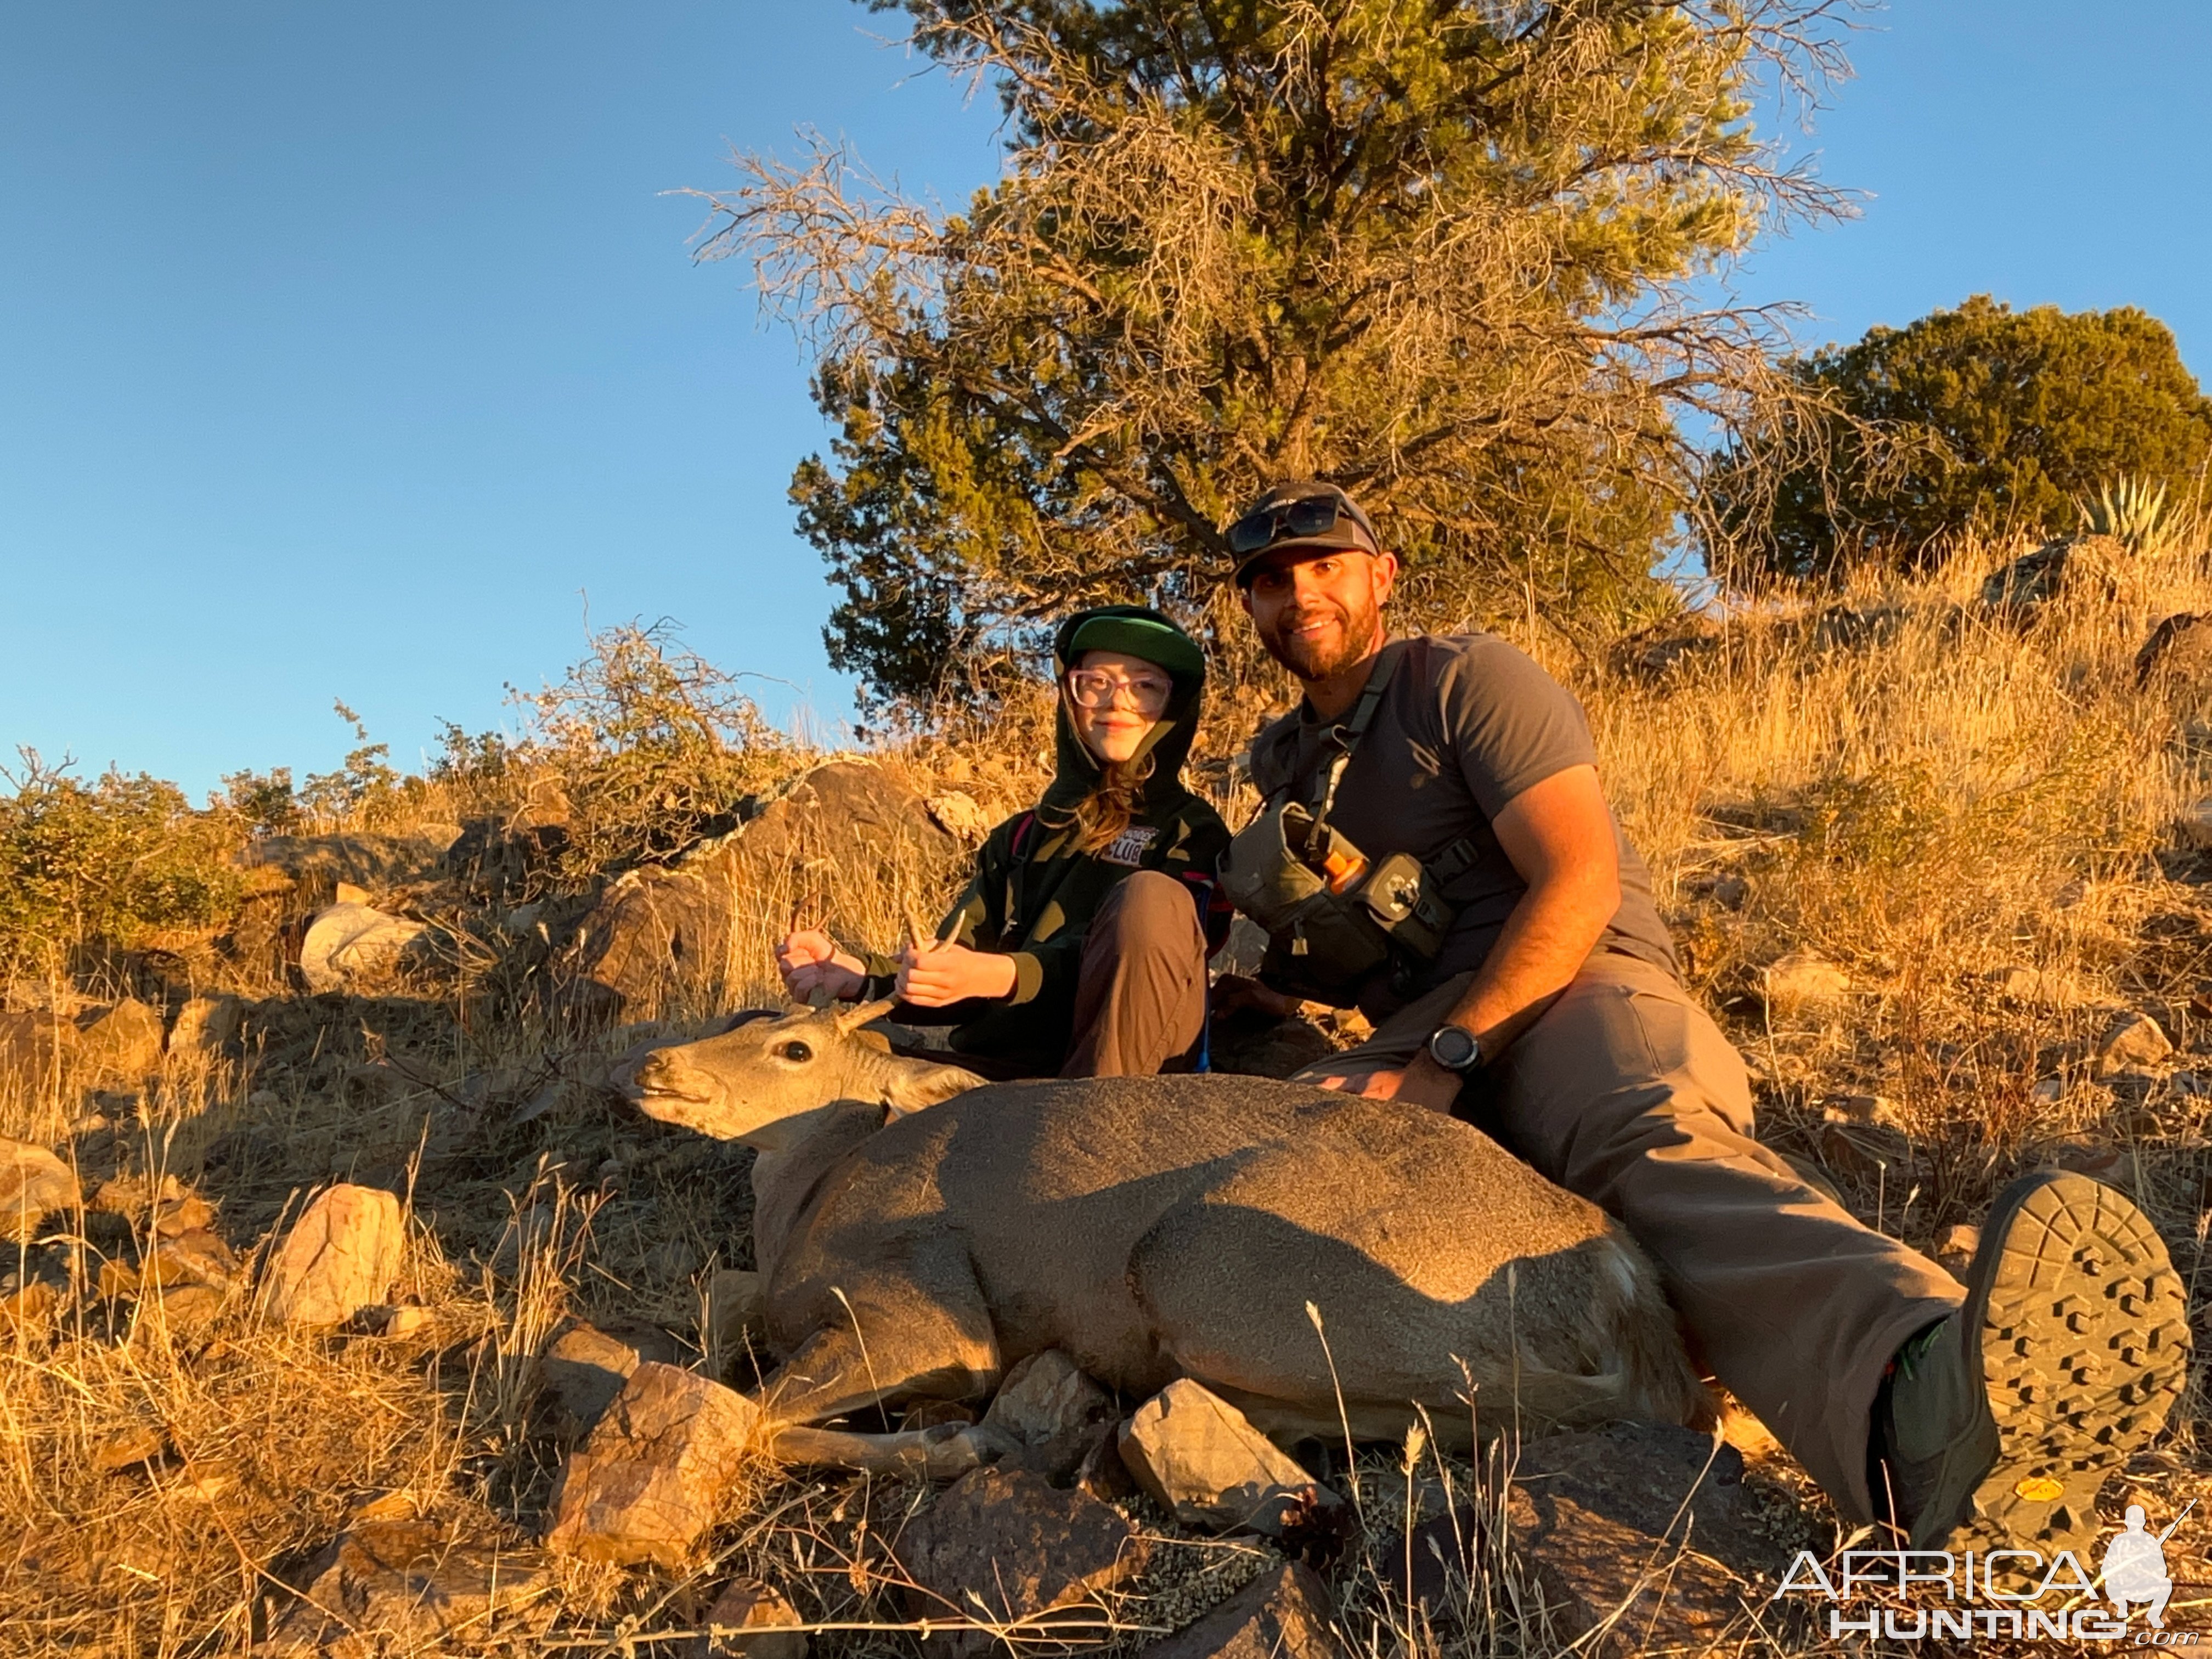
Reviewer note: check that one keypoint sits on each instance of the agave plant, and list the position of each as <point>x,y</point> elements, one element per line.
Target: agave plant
<point>2130,511</point>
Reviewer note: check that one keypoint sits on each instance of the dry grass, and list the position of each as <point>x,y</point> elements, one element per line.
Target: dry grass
<point>1923,794</point>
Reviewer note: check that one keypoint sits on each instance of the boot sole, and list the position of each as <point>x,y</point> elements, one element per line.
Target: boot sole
<point>2082,1330</point>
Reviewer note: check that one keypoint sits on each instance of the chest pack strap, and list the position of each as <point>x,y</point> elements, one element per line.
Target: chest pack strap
<point>1344,737</point>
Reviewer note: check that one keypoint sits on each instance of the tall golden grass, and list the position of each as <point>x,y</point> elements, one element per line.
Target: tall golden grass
<point>1921,790</point>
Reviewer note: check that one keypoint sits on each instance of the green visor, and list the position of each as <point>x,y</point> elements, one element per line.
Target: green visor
<point>1154,642</point>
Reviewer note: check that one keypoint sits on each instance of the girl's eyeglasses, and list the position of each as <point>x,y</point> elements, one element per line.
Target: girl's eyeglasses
<point>1093,687</point>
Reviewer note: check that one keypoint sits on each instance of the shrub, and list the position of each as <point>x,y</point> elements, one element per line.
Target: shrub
<point>121,859</point>
<point>1982,418</point>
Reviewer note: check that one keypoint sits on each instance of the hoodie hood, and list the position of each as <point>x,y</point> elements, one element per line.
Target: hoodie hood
<point>1152,637</point>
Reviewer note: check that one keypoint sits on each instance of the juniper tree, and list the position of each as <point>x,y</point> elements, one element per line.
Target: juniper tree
<point>1979,418</point>
<point>1444,253</point>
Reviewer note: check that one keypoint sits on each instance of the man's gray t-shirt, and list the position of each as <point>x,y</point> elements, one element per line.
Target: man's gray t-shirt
<point>1467,722</point>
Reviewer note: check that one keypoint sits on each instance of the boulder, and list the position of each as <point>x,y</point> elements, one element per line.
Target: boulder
<point>340,1256</point>
<point>354,946</point>
<point>585,1368</point>
<point>1000,1545</point>
<point>315,864</point>
<point>1196,1456</point>
<point>644,1487</point>
<point>1284,1614</point>
<point>1805,982</point>
<point>33,1183</point>
<point>1633,1529</point>
<point>31,1046</point>
<point>2074,567</point>
<point>1051,1414</point>
<point>206,1026</point>
<point>122,1042</point>
<point>2132,1039</point>
<point>409,1584</point>
<point>654,936</point>
<point>750,1620</point>
<point>2179,647</point>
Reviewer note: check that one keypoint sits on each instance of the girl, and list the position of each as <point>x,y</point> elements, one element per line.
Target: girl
<point>1080,947</point>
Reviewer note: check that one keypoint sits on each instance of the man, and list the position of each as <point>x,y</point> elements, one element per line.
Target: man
<point>1524,954</point>
<point>2134,1569</point>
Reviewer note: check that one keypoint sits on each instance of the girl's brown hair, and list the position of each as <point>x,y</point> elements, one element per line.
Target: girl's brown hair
<point>1106,811</point>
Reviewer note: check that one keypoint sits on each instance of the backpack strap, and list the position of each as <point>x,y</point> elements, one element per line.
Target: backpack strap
<point>1344,737</point>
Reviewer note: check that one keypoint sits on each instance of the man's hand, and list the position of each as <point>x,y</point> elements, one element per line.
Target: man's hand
<point>1424,1083</point>
<point>1233,993</point>
<point>810,960</point>
<point>936,975</point>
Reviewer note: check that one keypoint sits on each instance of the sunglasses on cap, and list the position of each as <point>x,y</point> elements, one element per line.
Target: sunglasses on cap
<point>1294,520</point>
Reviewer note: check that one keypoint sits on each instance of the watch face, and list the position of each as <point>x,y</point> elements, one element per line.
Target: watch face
<point>1452,1048</point>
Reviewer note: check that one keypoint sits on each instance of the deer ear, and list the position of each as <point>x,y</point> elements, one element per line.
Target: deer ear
<point>912,1084</point>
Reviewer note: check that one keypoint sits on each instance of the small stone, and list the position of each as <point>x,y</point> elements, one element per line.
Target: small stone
<point>2192,825</point>
<point>1731,891</point>
<point>403,1322</point>
<point>736,1310</point>
<point>2048,1091</point>
<point>673,1260</point>
<point>188,1212</point>
<point>1000,1545</point>
<point>198,1257</point>
<point>205,1026</point>
<point>207,1481</point>
<point>409,1586</point>
<point>1954,1250</point>
<point>749,1620</point>
<point>1285,1613</point>
<point>122,1042</point>
<point>33,1183</point>
<point>340,1256</point>
<point>1805,982</point>
<point>1196,1456</point>
<point>128,1446</point>
<point>644,1487</point>
<point>2036,987</point>
<point>187,1310</point>
<point>1052,1413</point>
<point>956,813</point>
<point>347,893</point>
<point>2088,1158</point>
<point>584,1370</point>
<point>1869,1109</point>
<point>27,1312</point>
<point>2133,1039</point>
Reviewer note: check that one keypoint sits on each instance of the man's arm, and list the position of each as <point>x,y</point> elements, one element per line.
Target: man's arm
<point>1559,836</point>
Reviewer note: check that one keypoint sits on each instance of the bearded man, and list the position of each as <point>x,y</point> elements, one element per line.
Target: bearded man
<point>1435,848</point>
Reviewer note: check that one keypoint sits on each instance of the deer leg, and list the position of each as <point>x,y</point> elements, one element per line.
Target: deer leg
<point>882,1340</point>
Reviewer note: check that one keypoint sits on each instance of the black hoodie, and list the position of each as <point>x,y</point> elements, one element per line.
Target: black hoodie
<point>1033,895</point>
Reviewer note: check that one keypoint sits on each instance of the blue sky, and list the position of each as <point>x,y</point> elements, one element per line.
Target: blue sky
<point>350,349</point>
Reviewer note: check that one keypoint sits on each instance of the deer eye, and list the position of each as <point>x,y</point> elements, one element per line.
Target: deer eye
<point>796,1050</point>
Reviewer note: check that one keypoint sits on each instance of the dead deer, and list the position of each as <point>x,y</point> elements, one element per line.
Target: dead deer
<point>1157,1227</point>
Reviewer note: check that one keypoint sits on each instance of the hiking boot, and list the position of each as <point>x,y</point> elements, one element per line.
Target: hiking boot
<point>2003,1420</point>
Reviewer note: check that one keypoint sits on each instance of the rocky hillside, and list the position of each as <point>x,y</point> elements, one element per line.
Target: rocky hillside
<point>351,1310</point>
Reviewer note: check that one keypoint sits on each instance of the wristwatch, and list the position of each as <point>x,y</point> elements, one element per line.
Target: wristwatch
<point>1455,1048</point>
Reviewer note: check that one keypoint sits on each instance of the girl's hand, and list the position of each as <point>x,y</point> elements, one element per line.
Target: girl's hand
<point>810,960</point>
<point>935,976</point>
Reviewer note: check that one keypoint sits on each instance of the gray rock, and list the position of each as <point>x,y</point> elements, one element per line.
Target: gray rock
<point>644,1487</point>
<point>33,1183</point>
<point>750,1620</point>
<point>2132,1039</point>
<point>410,1585</point>
<point>1285,1613</point>
<point>355,946</point>
<point>1051,1413</point>
<point>1196,1456</point>
<point>1000,1545</point>
<point>1803,983</point>
<point>1601,1524</point>
<point>340,1256</point>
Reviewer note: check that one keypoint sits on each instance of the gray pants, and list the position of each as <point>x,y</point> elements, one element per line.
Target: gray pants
<point>1625,1092</point>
